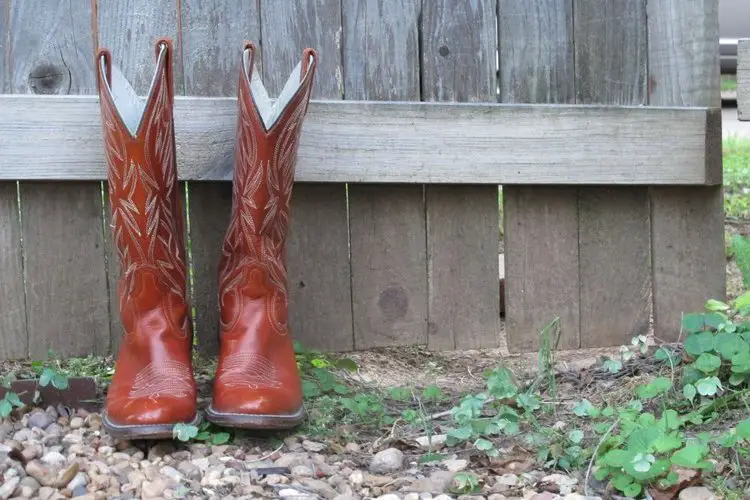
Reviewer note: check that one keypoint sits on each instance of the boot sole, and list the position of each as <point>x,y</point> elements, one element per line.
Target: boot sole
<point>134,432</point>
<point>248,421</point>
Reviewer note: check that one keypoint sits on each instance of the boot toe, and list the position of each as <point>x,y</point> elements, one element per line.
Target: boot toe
<point>151,411</point>
<point>246,401</point>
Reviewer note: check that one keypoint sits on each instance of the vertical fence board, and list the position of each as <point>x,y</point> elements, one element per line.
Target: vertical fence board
<point>687,222</point>
<point>117,22</point>
<point>320,312</point>
<point>212,36</point>
<point>541,223</point>
<point>463,233</point>
<point>614,248</point>
<point>610,51</point>
<point>387,223</point>
<point>5,76</point>
<point>614,231</point>
<point>129,28</point>
<point>14,341</point>
<point>66,279</point>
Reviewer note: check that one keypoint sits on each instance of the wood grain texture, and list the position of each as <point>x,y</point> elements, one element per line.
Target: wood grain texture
<point>381,49</point>
<point>462,250</point>
<point>386,222</point>
<point>611,53</point>
<point>392,142</point>
<point>66,280</point>
<point>129,29</point>
<point>614,249</point>
<point>458,64</point>
<point>117,26</point>
<point>458,50</point>
<point>13,335</point>
<point>210,204</point>
<point>5,75</point>
<point>212,35</point>
<point>541,223</point>
<point>52,49</point>
<point>318,228</point>
<point>320,294</point>
<point>389,267</point>
<point>290,26</point>
<point>112,257</point>
<point>743,79</point>
<point>684,65</point>
<point>541,265</point>
<point>614,227</point>
<point>14,341</point>
<point>536,51</point>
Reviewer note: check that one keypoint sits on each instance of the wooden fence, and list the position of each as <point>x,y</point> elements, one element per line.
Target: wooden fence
<point>607,141</point>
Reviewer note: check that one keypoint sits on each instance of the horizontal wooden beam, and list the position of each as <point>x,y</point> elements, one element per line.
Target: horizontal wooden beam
<point>743,79</point>
<point>59,138</point>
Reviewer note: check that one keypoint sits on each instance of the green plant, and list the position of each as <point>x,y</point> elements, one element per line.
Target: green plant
<point>464,483</point>
<point>184,432</point>
<point>11,399</point>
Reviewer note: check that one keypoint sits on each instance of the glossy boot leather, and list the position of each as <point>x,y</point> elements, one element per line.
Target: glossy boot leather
<point>153,386</point>
<point>257,384</point>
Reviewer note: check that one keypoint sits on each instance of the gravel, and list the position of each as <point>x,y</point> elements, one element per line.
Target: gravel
<point>53,455</point>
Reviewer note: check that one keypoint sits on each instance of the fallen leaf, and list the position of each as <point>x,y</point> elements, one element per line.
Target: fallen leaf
<point>686,478</point>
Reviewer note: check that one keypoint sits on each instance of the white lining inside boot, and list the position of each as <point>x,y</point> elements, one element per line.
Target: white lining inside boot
<point>268,109</point>
<point>130,107</point>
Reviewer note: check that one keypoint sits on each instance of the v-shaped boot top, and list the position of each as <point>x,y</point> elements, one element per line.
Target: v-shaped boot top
<point>129,106</point>
<point>268,109</point>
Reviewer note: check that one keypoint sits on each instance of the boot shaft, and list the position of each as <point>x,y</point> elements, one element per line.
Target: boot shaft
<point>144,197</point>
<point>267,141</point>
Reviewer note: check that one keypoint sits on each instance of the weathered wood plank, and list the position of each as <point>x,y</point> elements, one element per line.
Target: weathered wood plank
<point>393,142</point>
<point>14,341</point>
<point>613,224</point>
<point>387,222</point>
<point>684,64</point>
<point>536,51</point>
<point>462,248</point>
<point>541,265</point>
<point>458,52</point>
<point>134,55</point>
<point>458,64</point>
<point>743,80</point>
<point>318,240</point>
<point>611,59</point>
<point>389,268</point>
<point>614,248</point>
<point>66,281</point>
<point>288,27</point>
<point>212,35</point>
<point>5,75</point>
<point>320,297</point>
<point>381,49</point>
<point>541,224</point>
<point>129,28</point>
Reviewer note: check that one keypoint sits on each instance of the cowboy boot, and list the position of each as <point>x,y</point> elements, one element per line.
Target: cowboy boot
<point>153,386</point>
<point>257,384</point>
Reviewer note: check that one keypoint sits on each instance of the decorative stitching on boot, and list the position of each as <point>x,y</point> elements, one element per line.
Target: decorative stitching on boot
<point>248,370</point>
<point>167,379</point>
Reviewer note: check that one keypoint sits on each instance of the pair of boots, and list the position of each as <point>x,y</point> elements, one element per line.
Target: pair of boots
<point>257,384</point>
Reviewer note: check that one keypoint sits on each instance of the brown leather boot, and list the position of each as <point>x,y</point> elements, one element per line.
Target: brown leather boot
<point>153,387</point>
<point>257,384</point>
